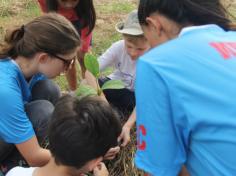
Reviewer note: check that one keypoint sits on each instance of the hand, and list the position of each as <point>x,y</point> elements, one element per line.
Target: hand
<point>100,170</point>
<point>111,154</point>
<point>124,136</point>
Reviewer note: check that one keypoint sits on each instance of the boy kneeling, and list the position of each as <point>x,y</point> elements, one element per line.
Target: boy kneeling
<point>80,134</point>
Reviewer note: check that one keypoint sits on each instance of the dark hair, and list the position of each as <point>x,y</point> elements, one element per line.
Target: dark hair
<point>82,130</point>
<point>184,12</point>
<point>85,11</point>
<point>50,33</point>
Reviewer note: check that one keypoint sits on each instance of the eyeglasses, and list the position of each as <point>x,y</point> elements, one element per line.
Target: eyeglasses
<point>68,63</point>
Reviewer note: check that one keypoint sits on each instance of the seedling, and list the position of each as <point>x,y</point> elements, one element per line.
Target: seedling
<point>92,65</point>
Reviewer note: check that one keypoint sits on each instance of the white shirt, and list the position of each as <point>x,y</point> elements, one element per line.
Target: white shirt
<point>21,171</point>
<point>116,56</point>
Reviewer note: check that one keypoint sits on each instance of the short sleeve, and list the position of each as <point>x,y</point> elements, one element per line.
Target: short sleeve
<point>16,171</point>
<point>160,149</point>
<point>111,55</point>
<point>15,126</point>
<point>36,78</point>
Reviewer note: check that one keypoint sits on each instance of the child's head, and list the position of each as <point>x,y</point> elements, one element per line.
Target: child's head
<point>162,20</point>
<point>84,9</point>
<point>82,131</point>
<point>49,43</point>
<point>135,42</point>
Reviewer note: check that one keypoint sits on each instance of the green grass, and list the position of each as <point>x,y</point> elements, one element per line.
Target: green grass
<point>15,12</point>
<point>18,12</point>
<point>117,7</point>
<point>109,12</point>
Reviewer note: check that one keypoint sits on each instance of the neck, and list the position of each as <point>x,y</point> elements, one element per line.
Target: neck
<point>53,169</point>
<point>26,66</point>
<point>171,28</point>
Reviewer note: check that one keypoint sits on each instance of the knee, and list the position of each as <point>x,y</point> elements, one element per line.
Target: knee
<point>39,111</point>
<point>46,90</point>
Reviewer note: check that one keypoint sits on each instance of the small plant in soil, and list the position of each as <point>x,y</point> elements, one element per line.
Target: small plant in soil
<point>92,65</point>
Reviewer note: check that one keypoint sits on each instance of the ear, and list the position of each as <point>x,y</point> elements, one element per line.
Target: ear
<point>43,58</point>
<point>154,24</point>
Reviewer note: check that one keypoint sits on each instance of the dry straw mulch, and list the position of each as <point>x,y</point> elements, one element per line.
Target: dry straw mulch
<point>123,164</point>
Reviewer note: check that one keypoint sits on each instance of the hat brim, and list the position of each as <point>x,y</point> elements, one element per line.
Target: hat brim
<point>130,31</point>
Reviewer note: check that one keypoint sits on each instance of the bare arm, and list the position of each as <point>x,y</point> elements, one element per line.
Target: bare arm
<point>81,55</point>
<point>125,133</point>
<point>71,76</point>
<point>33,153</point>
<point>184,171</point>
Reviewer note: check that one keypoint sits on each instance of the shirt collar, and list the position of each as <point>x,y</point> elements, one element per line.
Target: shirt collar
<point>190,29</point>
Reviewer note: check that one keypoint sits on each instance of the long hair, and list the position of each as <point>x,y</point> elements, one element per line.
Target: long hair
<point>184,12</point>
<point>85,11</point>
<point>50,33</point>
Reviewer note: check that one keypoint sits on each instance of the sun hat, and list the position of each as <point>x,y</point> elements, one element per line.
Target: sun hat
<point>131,25</point>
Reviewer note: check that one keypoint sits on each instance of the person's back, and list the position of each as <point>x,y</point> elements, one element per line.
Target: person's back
<point>81,132</point>
<point>198,72</point>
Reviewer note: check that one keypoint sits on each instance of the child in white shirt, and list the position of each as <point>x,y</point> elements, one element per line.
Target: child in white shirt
<point>122,55</point>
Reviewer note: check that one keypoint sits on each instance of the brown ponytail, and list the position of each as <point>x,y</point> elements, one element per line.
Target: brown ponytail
<point>11,41</point>
<point>50,33</point>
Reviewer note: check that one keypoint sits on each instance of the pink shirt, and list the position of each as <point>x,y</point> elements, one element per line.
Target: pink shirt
<point>71,15</point>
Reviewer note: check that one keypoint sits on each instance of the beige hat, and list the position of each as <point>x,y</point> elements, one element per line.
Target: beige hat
<point>131,25</point>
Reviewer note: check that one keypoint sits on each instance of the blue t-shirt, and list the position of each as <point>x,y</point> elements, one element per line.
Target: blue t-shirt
<point>37,77</point>
<point>15,126</point>
<point>186,104</point>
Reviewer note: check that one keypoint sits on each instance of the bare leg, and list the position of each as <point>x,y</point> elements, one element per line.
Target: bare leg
<point>71,76</point>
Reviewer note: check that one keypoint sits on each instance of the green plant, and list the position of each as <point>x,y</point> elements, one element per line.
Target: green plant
<point>92,65</point>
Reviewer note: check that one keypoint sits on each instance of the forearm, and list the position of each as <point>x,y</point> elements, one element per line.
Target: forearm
<point>132,119</point>
<point>33,153</point>
<point>42,157</point>
<point>81,55</point>
<point>184,172</point>
<point>71,76</point>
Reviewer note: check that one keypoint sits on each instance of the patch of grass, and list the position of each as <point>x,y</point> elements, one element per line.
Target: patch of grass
<point>32,10</point>
<point>16,12</point>
<point>6,7</point>
<point>100,46</point>
<point>9,8</point>
<point>117,7</point>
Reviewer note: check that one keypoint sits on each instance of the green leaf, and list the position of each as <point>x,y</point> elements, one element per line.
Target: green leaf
<point>113,84</point>
<point>92,64</point>
<point>107,71</point>
<point>85,90</point>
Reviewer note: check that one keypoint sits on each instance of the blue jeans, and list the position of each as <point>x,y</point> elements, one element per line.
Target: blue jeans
<point>45,94</point>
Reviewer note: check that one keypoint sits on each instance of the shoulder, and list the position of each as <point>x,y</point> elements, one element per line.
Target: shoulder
<point>8,72</point>
<point>120,43</point>
<point>177,49</point>
<point>118,47</point>
<point>16,171</point>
